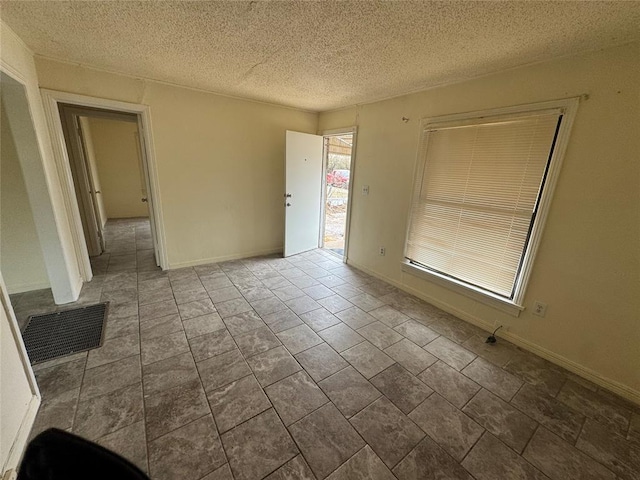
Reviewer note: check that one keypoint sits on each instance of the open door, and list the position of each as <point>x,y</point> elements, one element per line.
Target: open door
<point>303,192</point>
<point>81,180</point>
<point>146,187</point>
<point>92,176</point>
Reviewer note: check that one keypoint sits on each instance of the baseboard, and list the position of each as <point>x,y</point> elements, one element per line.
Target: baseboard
<point>27,287</point>
<point>224,258</point>
<point>78,288</point>
<point>20,441</point>
<point>580,370</point>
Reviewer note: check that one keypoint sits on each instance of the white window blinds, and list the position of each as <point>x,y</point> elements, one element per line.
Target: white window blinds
<point>475,197</point>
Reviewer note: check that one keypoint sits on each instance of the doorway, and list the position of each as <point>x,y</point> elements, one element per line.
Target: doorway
<point>337,175</point>
<point>108,175</point>
<point>318,185</point>
<point>91,109</point>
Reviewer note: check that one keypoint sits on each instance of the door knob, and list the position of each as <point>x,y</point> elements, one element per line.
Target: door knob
<point>144,199</point>
<point>288,204</point>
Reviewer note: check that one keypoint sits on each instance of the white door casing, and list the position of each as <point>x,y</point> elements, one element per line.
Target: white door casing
<point>51,99</point>
<point>19,394</point>
<point>303,192</point>
<point>146,188</point>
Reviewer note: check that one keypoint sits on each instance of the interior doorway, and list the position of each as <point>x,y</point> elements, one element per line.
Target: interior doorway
<point>103,109</point>
<point>106,163</point>
<point>338,154</point>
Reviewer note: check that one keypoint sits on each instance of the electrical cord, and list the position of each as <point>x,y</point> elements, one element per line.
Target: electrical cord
<point>492,338</point>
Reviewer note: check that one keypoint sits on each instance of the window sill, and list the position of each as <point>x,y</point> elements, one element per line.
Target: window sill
<point>481,296</point>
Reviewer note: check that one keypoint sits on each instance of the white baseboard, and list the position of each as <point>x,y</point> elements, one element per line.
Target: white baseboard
<point>224,258</point>
<point>20,441</point>
<point>27,287</point>
<point>580,370</point>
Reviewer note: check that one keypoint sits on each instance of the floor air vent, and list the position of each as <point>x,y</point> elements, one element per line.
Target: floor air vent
<point>58,334</point>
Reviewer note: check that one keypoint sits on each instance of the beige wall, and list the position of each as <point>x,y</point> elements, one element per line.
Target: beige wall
<point>115,145</point>
<point>588,264</point>
<point>38,166</point>
<point>220,161</point>
<point>21,259</point>
<point>18,394</point>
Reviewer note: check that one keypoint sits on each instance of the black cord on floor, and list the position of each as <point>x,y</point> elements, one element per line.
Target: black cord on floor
<point>492,338</point>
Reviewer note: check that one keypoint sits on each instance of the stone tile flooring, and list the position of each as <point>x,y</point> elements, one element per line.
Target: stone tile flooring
<point>307,368</point>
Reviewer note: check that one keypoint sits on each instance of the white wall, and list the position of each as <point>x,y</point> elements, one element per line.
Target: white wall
<point>18,402</point>
<point>220,161</point>
<point>19,397</point>
<point>588,265</point>
<point>116,148</point>
<point>21,258</point>
<point>28,125</point>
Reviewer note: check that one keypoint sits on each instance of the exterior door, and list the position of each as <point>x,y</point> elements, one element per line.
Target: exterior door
<point>303,192</point>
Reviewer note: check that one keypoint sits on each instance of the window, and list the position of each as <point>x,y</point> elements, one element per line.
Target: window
<point>482,187</point>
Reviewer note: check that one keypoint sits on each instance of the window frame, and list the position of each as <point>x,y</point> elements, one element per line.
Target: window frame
<point>568,108</point>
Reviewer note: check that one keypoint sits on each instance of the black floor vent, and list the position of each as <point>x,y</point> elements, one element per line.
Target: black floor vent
<point>58,334</point>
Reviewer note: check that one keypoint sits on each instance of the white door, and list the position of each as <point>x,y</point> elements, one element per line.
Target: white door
<point>303,192</point>
<point>18,390</point>
<point>86,144</point>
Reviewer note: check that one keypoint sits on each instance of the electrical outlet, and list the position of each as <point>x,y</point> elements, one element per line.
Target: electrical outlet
<point>365,189</point>
<point>539,309</point>
<point>382,251</point>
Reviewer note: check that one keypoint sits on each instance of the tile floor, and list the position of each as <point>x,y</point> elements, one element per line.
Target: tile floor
<point>307,368</point>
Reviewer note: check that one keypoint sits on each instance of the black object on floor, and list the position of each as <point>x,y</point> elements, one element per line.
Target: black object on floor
<point>58,455</point>
<point>58,334</point>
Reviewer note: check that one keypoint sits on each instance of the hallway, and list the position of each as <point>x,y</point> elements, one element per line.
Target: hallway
<point>128,246</point>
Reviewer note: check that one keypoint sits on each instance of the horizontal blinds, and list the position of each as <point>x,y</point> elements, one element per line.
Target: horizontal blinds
<point>475,196</point>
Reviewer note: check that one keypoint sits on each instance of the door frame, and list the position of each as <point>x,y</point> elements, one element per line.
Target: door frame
<point>13,456</point>
<point>352,167</point>
<point>51,100</point>
<point>86,192</point>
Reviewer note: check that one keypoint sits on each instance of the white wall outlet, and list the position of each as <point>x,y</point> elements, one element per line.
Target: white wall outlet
<point>365,189</point>
<point>539,309</point>
<point>382,251</point>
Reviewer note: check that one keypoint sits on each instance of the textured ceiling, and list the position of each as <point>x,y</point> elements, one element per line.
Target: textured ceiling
<point>317,55</point>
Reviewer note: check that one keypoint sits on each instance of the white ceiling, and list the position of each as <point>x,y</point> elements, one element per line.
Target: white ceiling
<point>317,55</point>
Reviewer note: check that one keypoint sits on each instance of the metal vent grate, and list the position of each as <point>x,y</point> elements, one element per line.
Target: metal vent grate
<point>58,334</point>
